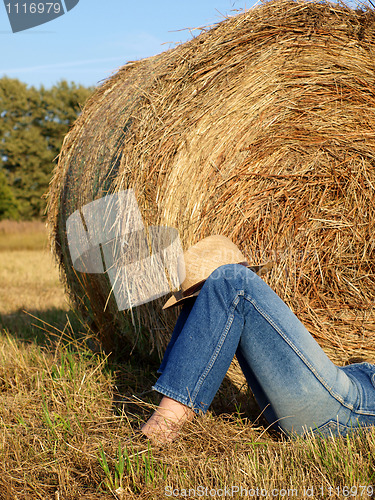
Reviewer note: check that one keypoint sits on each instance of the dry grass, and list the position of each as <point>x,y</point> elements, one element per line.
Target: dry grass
<point>23,235</point>
<point>9,227</point>
<point>261,129</point>
<point>29,280</point>
<point>67,416</point>
<point>62,435</point>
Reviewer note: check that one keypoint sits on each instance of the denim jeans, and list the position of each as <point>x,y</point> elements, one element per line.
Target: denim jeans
<point>294,382</point>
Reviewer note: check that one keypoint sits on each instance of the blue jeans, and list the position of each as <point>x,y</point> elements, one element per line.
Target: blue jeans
<point>294,382</point>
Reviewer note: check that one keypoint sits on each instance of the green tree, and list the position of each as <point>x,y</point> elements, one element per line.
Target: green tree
<point>32,127</point>
<point>8,203</point>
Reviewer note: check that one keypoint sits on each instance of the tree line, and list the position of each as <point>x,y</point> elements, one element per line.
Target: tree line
<point>33,123</point>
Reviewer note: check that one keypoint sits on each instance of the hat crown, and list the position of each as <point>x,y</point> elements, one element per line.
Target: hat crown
<point>201,259</point>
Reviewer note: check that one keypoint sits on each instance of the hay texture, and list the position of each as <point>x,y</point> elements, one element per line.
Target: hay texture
<point>262,128</point>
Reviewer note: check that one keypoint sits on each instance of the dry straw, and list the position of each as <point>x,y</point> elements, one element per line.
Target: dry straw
<point>262,128</point>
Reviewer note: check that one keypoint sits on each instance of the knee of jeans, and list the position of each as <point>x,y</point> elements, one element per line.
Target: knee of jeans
<point>229,273</point>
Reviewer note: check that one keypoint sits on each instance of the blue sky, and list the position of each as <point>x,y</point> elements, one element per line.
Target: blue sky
<point>95,38</point>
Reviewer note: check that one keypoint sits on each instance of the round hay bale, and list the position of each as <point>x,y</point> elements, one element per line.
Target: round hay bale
<point>261,128</point>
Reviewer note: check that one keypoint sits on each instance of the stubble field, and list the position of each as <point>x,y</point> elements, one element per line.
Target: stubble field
<point>67,414</point>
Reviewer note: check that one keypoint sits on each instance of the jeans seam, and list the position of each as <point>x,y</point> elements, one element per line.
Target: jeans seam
<point>217,350</point>
<point>171,394</point>
<point>300,355</point>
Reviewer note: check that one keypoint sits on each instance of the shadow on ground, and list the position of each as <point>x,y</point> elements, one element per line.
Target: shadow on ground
<point>40,327</point>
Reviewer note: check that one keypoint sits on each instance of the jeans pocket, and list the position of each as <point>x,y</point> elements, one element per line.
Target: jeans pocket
<point>363,375</point>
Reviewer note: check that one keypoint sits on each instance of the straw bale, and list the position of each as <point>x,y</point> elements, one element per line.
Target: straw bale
<point>262,128</point>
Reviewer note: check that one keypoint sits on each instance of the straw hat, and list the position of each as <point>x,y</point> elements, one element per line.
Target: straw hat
<point>201,259</point>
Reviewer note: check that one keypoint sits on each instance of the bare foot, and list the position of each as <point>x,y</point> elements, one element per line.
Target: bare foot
<point>166,421</point>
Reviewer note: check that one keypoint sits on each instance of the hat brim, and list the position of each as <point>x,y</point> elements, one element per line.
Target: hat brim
<point>172,301</point>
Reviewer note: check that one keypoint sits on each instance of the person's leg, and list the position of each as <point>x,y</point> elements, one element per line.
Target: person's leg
<point>292,378</point>
<point>170,415</point>
<point>237,311</point>
<point>261,398</point>
<point>181,320</point>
